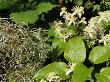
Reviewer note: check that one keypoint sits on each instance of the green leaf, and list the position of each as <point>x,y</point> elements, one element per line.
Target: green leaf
<point>4,4</point>
<point>72,29</point>
<point>11,80</point>
<point>81,73</point>
<point>24,18</point>
<point>75,50</point>
<point>51,32</point>
<point>30,16</point>
<point>104,75</point>
<point>96,7</point>
<point>59,44</point>
<point>44,7</point>
<point>58,68</point>
<point>78,2</point>
<point>100,54</point>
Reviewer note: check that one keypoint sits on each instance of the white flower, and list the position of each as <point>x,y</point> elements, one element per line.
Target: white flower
<point>78,10</point>
<point>52,77</point>
<point>67,16</point>
<point>62,32</point>
<point>105,15</point>
<point>70,69</point>
<point>63,11</point>
<point>70,19</point>
<point>83,21</point>
<point>91,32</point>
<point>105,39</point>
<point>59,23</point>
<point>87,29</point>
<point>94,27</point>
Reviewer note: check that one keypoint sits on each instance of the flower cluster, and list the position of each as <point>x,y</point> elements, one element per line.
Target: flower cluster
<point>74,17</point>
<point>96,25</point>
<point>105,39</point>
<point>104,16</point>
<point>94,28</point>
<point>62,32</point>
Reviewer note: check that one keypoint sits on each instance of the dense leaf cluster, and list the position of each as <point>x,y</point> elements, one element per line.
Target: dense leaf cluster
<point>74,48</point>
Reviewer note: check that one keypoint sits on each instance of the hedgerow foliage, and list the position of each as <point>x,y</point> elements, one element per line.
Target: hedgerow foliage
<point>22,50</point>
<point>55,41</point>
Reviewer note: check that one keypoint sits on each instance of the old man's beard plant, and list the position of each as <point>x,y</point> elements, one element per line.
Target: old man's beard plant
<point>98,27</point>
<point>84,44</point>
